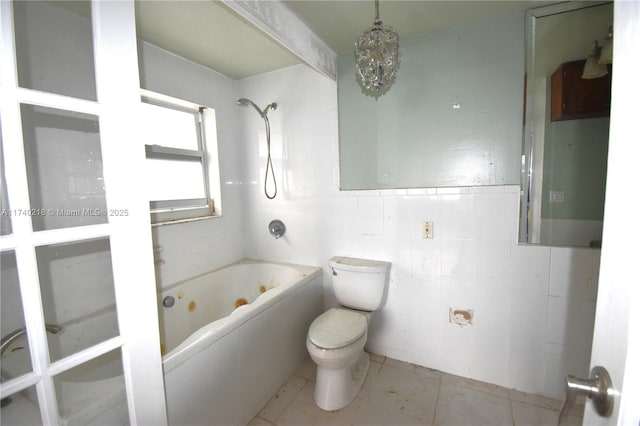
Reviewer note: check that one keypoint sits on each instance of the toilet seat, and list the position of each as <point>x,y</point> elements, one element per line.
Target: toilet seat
<point>337,328</point>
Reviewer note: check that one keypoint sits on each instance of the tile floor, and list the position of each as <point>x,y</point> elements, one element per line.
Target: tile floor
<point>397,393</point>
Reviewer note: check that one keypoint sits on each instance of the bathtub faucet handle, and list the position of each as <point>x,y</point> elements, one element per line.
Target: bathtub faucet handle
<point>277,228</point>
<point>333,271</point>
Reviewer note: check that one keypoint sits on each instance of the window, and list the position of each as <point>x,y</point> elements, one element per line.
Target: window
<point>182,164</point>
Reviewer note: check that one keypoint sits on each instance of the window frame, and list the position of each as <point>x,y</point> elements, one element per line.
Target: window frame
<point>180,210</point>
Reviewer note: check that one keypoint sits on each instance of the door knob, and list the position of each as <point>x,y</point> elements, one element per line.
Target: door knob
<point>598,389</point>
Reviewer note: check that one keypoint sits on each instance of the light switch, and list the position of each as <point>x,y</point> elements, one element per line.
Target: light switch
<point>556,196</point>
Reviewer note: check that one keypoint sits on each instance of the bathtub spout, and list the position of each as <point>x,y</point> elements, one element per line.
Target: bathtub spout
<point>8,339</point>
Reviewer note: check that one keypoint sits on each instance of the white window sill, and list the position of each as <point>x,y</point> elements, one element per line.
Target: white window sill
<point>191,219</point>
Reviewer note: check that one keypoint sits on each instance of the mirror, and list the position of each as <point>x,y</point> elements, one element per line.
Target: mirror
<point>452,118</point>
<point>566,126</point>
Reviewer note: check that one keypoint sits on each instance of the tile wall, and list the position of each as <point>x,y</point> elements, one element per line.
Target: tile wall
<point>533,306</point>
<point>189,249</point>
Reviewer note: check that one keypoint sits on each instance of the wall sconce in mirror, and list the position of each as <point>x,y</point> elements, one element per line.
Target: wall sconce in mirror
<point>377,57</point>
<point>592,67</point>
<point>606,54</point>
<point>596,63</point>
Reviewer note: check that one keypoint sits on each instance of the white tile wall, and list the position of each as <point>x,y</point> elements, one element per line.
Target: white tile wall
<point>533,306</point>
<point>191,249</point>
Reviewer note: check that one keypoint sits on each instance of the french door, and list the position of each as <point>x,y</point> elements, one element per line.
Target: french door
<point>79,315</point>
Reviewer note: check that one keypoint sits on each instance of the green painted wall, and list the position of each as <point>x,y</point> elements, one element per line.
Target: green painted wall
<point>575,161</point>
<point>453,117</point>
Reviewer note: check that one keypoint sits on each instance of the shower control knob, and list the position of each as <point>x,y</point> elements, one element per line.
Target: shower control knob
<point>277,228</point>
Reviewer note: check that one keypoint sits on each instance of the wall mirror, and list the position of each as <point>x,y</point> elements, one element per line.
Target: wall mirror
<point>566,127</point>
<point>452,118</point>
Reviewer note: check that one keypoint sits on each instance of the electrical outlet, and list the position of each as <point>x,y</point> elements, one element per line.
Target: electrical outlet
<point>427,230</point>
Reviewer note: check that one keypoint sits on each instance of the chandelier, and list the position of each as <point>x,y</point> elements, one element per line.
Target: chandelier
<point>377,58</point>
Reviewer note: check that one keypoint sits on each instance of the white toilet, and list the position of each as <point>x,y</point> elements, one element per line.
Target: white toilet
<point>336,338</point>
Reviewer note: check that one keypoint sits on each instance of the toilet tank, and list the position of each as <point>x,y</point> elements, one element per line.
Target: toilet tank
<point>359,283</point>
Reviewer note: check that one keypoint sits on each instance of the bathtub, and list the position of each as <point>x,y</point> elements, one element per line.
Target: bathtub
<point>221,363</point>
<point>232,337</point>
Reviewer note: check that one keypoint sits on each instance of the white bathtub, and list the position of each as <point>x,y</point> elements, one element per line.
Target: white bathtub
<point>222,363</point>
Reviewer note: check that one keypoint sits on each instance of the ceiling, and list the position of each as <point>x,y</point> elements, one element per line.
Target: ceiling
<point>338,23</point>
<point>209,33</point>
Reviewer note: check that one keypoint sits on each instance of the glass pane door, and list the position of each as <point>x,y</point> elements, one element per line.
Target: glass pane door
<point>79,320</point>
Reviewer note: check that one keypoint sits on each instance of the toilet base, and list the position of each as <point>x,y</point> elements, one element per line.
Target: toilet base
<point>336,388</point>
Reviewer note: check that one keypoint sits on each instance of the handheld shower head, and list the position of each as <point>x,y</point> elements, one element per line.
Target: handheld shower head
<point>247,102</point>
<point>263,114</point>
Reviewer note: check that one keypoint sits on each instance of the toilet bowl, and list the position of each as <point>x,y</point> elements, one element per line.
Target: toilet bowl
<point>336,342</point>
<point>336,338</point>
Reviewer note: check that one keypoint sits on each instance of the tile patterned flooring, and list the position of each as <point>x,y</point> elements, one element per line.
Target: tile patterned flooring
<point>396,393</point>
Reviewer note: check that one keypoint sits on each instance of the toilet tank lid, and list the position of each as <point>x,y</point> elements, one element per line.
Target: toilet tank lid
<point>361,265</point>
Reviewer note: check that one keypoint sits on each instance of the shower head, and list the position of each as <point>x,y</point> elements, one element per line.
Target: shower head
<point>247,102</point>
<point>263,113</point>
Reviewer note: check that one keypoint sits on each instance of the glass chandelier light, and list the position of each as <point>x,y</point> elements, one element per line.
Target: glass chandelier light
<point>377,58</point>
